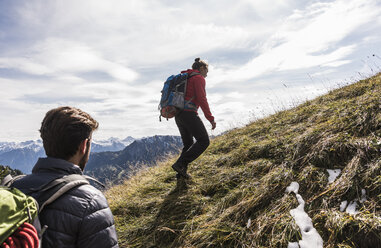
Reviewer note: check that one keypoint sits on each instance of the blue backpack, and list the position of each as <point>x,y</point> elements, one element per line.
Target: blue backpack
<point>173,95</point>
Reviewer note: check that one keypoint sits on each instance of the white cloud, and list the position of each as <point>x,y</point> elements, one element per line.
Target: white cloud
<point>57,57</point>
<point>315,42</point>
<point>24,64</point>
<point>111,57</point>
<point>150,32</point>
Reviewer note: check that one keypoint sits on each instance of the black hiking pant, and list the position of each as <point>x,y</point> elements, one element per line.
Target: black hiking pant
<point>190,125</point>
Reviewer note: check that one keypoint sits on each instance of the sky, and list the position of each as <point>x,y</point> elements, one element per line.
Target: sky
<point>111,58</point>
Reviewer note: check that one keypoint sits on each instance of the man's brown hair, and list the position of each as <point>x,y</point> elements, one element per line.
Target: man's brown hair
<point>63,129</point>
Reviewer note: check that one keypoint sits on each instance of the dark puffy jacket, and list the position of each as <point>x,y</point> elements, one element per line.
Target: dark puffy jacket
<point>79,218</point>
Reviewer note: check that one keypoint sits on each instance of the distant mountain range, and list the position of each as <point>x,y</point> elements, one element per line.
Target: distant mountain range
<point>111,145</point>
<point>21,156</point>
<point>114,167</point>
<point>111,160</point>
<point>24,155</point>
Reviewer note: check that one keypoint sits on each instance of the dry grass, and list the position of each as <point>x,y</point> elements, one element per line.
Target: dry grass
<point>242,177</point>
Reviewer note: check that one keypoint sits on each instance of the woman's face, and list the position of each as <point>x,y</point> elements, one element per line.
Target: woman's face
<point>204,71</point>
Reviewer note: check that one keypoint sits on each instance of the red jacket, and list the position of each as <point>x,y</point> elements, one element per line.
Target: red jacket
<point>196,89</point>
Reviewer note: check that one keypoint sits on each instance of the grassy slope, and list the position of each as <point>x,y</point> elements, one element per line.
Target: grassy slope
<point>5,170</point>
<point>244,173</point>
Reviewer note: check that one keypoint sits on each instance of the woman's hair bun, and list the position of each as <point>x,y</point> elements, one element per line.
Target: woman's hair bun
<point>198,63</point>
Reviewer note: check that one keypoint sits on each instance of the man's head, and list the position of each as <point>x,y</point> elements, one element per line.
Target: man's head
<point>201,66</point>
<point>65,130</point>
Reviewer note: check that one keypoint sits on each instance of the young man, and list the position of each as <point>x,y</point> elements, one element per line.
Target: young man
<point>81,217</point>
<point>188,121</point>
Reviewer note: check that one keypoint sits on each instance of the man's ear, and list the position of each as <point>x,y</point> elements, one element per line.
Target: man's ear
<point>83,145</point>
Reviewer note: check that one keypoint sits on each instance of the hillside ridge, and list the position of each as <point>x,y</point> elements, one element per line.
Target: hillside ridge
<point>330,146</point>
<point>113,167</point>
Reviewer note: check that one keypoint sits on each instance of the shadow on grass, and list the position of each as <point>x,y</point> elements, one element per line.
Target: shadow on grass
<point>172,216</point>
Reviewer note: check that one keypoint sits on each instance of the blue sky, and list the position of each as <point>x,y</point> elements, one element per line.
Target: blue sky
<point>110,58</point>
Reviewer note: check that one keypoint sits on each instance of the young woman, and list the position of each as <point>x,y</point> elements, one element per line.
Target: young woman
<point>188,121</point>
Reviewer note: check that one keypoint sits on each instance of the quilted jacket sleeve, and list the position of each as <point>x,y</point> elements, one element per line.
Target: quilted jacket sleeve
<point>97,227</point>
<point>79,218</point>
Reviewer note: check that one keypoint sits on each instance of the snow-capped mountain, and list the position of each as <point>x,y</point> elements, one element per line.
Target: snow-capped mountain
<point>111,144</point>
<point>24,155</point>
<point>21,156</point>
<point>35,145</point>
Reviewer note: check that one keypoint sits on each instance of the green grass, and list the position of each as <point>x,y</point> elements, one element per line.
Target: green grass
<point>244,173</point>
<point>5,170</point>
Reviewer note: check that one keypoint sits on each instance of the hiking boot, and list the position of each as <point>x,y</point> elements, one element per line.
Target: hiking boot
<point>181,170</point>
<point>180,177</point>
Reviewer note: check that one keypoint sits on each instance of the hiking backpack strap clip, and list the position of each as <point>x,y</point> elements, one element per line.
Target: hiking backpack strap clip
<point>8,180</point>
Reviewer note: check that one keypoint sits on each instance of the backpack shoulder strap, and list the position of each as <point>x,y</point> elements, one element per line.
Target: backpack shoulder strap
<point>56,188</point>
<point>94,180</point>
<point>187,103</point>
<point>193,74</point>
<point>8,180</point>
<point>52,190</point>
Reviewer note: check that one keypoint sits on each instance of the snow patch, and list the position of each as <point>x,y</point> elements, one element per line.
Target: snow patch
<point>293,245</point>
<point>294,187</point>
<point>248,223</point>
<point>310,237</point>
<point>333,174</point>
<point>343,205</point>
<point>363,196</point>
<point>351,209</point>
